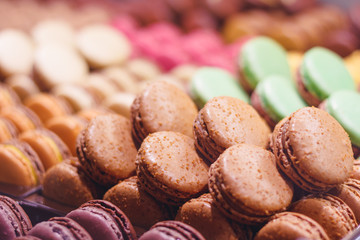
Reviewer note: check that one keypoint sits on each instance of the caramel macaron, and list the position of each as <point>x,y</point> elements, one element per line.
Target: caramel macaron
<point>202,214</point>
<point>7,130</point>
<point>247,186</point>
<point>49,147</point>
<point>224,122</point>
<point>291,226</point>
<point>47,106</point>
<point>334,215</point>
<point>23,85</point>
<point>169,168</point>
<point>8,96</point>
<point>22,117</point>
<point>313,150</point>
<point>162,107</point>
<point>141,208</point>
<point>106,150</point>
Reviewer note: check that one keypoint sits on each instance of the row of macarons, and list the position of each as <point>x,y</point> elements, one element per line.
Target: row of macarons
<point>93,220</point>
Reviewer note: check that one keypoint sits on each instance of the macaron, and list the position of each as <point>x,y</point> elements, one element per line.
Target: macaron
<point>20,165</point>
<point>141,208</point>
<point>57,63</point>
<point>162,107</point>
<point>338,105</point>
<point>48,146</point>
<point>22,117</point>
<point>47,106</point>
<point>124,80</point>
<point>120,103</point>
<point>100,84</point>
<point>16,52</point>
<point>66,183</point>
<point>53,30</point>
<point>102,46</point>
<point>209,82</point>
<point>7,130</point>
<point>356,170</point>
<point>249,175</point>
<point>224,122</point>
<point>276,97</point>
<point>313,150</point>
<point>8,96</point>
<point>321,73</point>
<point>142,69</point>
<point>90,113</point>
<point>59,228</point>
<point>23,85</point>
<point>334,215</point>
<point>105,149</point>
<point>172,230</point>
<point>67,128</point>
<point>169,169</point>
<point>103,220</point>
<point>261,57</point>
<point>349,192</point>
<point>203,215</point>
<point>291,226</point>
<point>14,220</point>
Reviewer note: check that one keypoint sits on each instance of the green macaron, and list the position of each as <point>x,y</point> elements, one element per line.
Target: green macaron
<point>209,82</point>
<point>323,72</point>
<point>259,58</point>
<point>278,97</point>
<point>342,105</point>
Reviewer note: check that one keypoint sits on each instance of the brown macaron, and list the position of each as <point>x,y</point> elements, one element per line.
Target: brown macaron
<point>106,150</point>
<point>356,170</point>
<point>22,117</point>
<point>49,147</point>
<point>202,214</point>
<point>162,107</point>
<point>7,96</point>
<point>67,128</point>
<point>169,168</point>
<point>67,184</point>
<point>140,207</point>
<point>313,150</point>
<point>247,186</point>
<point>47,106</point>
<point>329,211</point>
<point>291,226</point>
<point>349,192</point>
<point>224,122</point>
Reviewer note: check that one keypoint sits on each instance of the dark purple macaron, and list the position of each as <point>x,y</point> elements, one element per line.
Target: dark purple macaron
<point>172,230</point>
<point>14,222</point>
<point>59,228</point>
<point>103,220</point>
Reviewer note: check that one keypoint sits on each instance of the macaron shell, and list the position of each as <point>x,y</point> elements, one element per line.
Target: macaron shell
<point>246,185</point>
<point>162,107</point>
<point>106,146</point>
<point>348,115</point>
<point>7,96</point>
<point>23,118</point>
<point>226,121</point>
<point>64,183</point>
<point>320,150</point>
<point>261,57</point>
<point>323,207</point>
<point>209,82</point>
<point>141,208</point>
<point>7,130</point>
<point>289,225</point>
<point>168,166</point>
<point>323,72</point>
<point>202,214</point>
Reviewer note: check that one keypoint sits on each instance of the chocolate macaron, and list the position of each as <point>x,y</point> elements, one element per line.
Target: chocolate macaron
<point>291,226</point>
<point>59,228</point>
<point>172,230</point>
<point>313,150</point>
<point>247,186</point>
<point>106,150</point>
<point>169,168</point>
<point>14,222</point>
<point>224,122</point>
<point>334,215</point>
<point>103,220</point>
<point>162,107</point>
